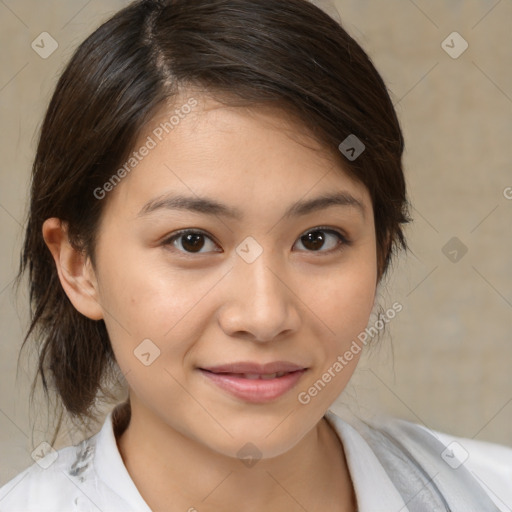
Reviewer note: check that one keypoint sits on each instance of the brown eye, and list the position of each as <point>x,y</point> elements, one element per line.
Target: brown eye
<point>191,242</point>
<point>317,239</point>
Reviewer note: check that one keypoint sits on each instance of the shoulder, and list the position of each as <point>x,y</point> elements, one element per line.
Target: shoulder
<point>55,482</point>
<point>433,466</point>
<point>490,463</point>
<point>87,477</point>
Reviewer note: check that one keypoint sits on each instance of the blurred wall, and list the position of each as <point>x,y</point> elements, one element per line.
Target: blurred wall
<point>444,360</point>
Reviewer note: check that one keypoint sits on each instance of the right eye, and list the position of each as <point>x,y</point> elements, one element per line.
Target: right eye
<point>189,241</point>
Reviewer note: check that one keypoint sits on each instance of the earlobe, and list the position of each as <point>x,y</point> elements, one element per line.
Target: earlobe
<point>75,271</point>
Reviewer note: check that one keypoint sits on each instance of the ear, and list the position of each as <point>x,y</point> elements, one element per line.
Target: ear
<point>75,271</point>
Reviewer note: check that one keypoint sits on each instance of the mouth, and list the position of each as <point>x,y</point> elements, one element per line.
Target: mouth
<point>255,383</point>
<point>252,376</point>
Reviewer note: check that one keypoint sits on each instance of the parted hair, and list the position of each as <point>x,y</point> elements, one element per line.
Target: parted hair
<point>285,53</point>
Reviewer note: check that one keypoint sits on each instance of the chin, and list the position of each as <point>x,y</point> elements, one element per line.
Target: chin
<point>265,437</point>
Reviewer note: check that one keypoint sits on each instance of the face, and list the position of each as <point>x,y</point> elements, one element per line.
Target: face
<point>249,268</point>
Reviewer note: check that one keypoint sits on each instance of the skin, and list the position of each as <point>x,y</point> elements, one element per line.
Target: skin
<point>293,303</point>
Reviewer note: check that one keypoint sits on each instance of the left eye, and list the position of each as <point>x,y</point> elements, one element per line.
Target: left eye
<point>192,242</point>
<point>315,239</point>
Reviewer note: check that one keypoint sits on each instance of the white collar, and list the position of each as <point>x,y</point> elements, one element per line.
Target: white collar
<point>372,485</point>
<point>111,470</point>
<point>374,489</point>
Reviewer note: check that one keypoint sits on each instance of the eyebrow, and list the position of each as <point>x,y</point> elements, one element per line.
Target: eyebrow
<point>210,206</point>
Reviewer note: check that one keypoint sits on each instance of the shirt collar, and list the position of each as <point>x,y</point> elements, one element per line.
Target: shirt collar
<point>110,467</point>
<point>372,485</point>
<point>373,488</point>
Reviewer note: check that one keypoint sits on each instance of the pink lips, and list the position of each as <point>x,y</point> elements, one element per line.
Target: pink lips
<point>253,382</point>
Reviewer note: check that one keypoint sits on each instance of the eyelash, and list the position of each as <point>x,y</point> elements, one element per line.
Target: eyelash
<point>341,237</point>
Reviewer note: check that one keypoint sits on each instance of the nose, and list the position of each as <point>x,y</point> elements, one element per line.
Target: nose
<point>260,305</point>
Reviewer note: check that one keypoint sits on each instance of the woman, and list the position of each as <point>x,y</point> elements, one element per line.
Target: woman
<point>217,193</point>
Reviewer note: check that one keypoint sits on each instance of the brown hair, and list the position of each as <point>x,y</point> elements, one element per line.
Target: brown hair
<point>281,52</point>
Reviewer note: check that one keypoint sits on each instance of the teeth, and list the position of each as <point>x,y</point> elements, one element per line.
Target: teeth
<point>266,376</point>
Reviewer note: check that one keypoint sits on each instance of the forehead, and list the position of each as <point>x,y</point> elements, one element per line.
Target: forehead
<point>250,157</point>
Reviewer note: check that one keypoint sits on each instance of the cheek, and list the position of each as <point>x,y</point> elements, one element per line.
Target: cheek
<point>143,298</point>
<point>347,298</point>
<point>344,307</point>
<point>141,294</point>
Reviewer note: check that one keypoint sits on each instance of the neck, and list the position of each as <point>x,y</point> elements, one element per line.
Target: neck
<point>174,472</point>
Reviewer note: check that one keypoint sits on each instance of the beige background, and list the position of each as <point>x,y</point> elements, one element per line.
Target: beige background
<point>448,363</point>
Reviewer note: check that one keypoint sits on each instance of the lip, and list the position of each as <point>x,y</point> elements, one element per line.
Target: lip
<point>255,368</point>
<point>255,390</point>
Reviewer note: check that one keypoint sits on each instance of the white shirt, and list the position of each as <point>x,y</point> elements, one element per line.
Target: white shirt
<point>91,476</point>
